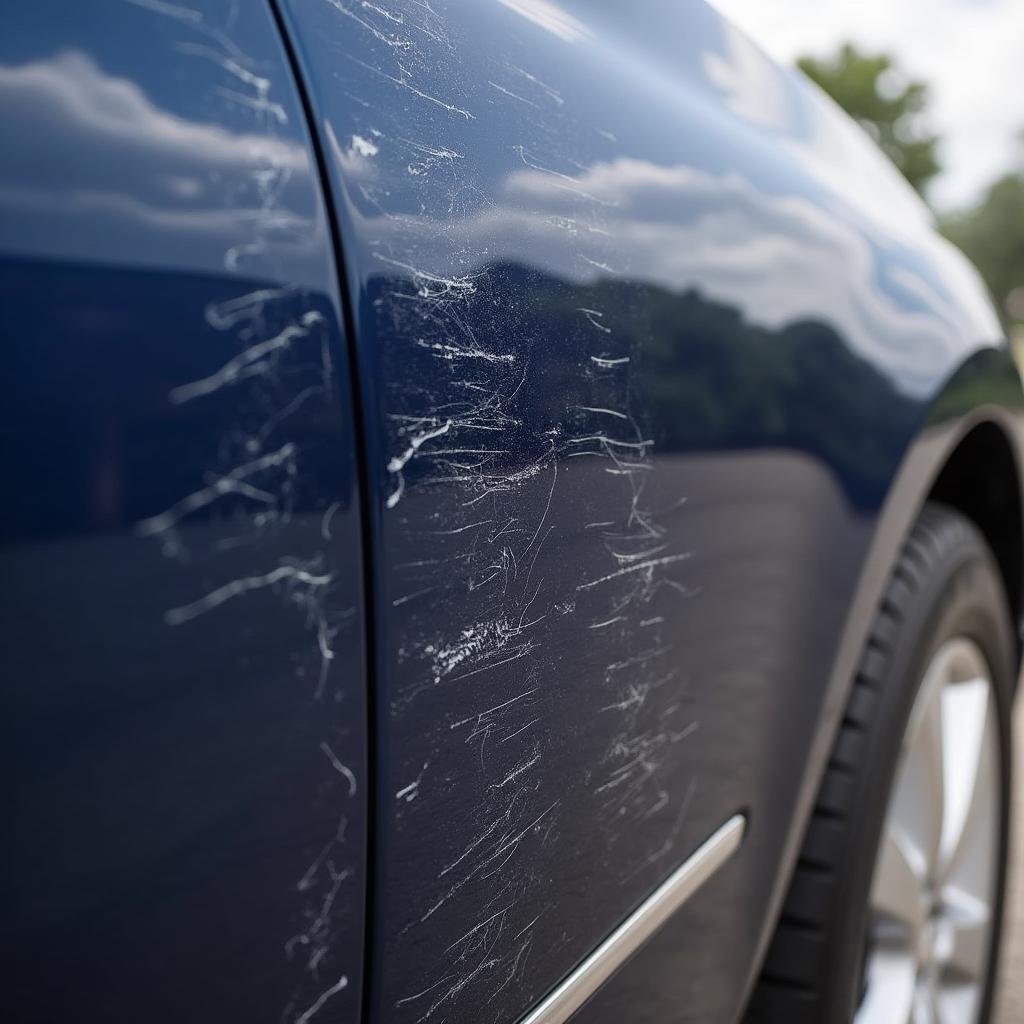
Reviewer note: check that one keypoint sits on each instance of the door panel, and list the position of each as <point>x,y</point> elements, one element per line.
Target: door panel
<point>182,626</point>
<point>638,368</point>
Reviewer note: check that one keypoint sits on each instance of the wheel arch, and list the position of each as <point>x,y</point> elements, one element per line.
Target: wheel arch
<point>981,479</point>
<point>968,454</point>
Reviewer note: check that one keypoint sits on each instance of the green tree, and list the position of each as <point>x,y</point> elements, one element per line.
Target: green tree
<point>992,235</point>
<point>888,106</point>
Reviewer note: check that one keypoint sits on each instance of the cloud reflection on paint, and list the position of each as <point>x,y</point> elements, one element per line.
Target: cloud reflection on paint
<point>679,227</point>
<point>101,172</point>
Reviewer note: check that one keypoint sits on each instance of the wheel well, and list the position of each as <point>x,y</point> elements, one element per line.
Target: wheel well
<point>980,480</point>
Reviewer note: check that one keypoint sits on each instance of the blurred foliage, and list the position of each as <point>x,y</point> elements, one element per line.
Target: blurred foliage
<point>719,381</point>
<point>992,235</point>
<point>710,378</point>
<point>891,109</point>
<point>888,106</point>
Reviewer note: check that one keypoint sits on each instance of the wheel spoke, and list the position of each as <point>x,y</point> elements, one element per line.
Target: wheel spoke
<point>889,998</point>
<point>933,888</point>
<point>896,893</point>
<point>966,928</point>
<point>919,797</point>
<point>969,864</point>
<point>970,945</point>
<point>965,717</point>
<point>958,1003</point>
<point>924,1004</point>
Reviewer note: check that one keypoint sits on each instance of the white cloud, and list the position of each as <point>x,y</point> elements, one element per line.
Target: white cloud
<point>969,51</point>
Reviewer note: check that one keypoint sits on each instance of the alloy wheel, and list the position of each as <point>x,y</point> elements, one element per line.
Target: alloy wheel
<point>931,904</point>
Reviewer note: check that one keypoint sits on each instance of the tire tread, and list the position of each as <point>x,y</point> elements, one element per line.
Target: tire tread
<point>786,989</point>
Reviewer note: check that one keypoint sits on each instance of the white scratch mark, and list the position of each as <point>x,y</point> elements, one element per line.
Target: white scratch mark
<point>511,735</point>
<point>411,597</point>
<point>433,286</point>
<point>593,316</point>
<point>223,315</point>
<point>230,483</point>
<point>340,768</point>
<point>497,707</point>
<point>258,103</point>
<point>398,462</point>
<point>176,616</point>
<point>171,10</point>
<point>325,523</point>
<point>638,567</point>
<point>309,1014</point>
<point>543,86</point>
<point>547,509</point>
<point>431,155</point>
<point>398,19</point>
<point>402,84</point>
<point>247,363</point>
<point>530,925</point>
<point>410,792</point>
<point>518,771</point>
<point>515,96</point>
<point>232,67</point>
<point>476,928</point>
<point>571,184</point>
<point>394,42</point>
<point>615,442</point>
<point>605,412</point>
<point>469,849</point>
<point>445,350</point>
<point>599,265</point>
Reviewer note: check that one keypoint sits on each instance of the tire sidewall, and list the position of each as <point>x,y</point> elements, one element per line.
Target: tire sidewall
<point>961,595</point>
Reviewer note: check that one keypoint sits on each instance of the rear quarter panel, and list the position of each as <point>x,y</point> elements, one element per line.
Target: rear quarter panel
<point>646,331</point>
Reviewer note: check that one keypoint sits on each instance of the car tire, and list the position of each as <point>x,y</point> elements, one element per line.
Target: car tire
<point>826,954</point>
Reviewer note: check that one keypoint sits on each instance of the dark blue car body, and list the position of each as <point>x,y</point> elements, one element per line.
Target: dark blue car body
<point>453,452</point>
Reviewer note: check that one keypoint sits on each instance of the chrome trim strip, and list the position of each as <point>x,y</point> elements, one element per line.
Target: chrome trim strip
<point>584,981</point>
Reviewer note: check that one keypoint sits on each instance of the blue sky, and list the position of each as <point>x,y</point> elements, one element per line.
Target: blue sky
<point>971,52</point>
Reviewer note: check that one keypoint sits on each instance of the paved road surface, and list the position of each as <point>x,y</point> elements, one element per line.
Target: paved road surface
<point>1010,1005</point>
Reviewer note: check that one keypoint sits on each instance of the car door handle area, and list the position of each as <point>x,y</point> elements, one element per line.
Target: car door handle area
<point>559,1005</point>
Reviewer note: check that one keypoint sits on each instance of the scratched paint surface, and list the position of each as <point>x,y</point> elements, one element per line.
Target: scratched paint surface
<point>638,366</point>
<point>620,457</point>
<point>190,756</point>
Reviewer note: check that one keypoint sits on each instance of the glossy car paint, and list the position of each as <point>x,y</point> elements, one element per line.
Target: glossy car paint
<point>651,340</point>
<point>657,361</point>
<point>182,627</point>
